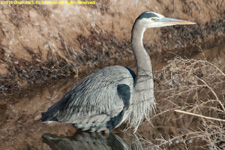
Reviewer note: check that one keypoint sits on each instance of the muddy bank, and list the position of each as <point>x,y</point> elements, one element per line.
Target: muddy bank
<point>40,42</point>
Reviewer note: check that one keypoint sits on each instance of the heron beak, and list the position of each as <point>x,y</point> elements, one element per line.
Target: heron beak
<point>172,21</point>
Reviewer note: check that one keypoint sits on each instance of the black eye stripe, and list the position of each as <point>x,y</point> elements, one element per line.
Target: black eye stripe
<point>147,15</point>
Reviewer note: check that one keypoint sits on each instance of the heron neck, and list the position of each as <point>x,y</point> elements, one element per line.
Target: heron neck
<point>144,66</point>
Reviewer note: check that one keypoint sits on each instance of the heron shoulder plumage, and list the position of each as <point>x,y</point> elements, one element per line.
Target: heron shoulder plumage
<point>96,100</point>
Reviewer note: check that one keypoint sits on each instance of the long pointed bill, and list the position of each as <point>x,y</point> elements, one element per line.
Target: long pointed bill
<point>172,21</point>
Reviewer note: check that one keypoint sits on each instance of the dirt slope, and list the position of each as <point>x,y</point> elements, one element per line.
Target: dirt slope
<point>39,42</point>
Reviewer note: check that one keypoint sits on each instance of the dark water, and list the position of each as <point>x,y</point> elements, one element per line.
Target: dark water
<point>21,128</point>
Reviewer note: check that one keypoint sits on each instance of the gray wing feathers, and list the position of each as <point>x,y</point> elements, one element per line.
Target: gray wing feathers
<point>96,97</point>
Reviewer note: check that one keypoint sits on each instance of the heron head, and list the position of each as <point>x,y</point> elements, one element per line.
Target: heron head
<point>153,20</point>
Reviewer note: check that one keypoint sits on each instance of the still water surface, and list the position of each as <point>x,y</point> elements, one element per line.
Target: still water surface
<point>21,128</point>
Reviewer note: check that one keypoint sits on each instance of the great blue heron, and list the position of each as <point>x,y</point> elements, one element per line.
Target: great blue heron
<point>110,96</point>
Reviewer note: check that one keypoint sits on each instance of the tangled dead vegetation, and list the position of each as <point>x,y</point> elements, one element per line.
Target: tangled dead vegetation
<point>190,106</point>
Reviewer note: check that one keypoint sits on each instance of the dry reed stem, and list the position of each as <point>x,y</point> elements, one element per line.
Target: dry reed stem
<point>193,114</point>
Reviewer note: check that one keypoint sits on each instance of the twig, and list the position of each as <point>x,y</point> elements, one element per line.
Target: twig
<point>217,99</point>
<point>215,67</point>
<point>193,114</point>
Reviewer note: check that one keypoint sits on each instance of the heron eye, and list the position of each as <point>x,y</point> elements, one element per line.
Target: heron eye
<point>153,19</point>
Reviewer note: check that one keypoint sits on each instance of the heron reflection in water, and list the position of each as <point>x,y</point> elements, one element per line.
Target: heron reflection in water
<point>95,141</point>
<point>113,95</point>
<point>85,141</point>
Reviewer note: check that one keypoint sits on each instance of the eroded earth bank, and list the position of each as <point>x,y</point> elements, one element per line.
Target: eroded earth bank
<point>39,42</point>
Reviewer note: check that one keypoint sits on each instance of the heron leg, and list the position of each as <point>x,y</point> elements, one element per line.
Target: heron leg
<point>106,132</point>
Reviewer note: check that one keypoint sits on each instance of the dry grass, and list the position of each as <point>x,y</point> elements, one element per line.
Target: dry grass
<point>190,106</point>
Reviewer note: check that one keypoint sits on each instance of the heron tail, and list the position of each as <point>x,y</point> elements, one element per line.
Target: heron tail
<point>51,114</point>
<point>48,118</point>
